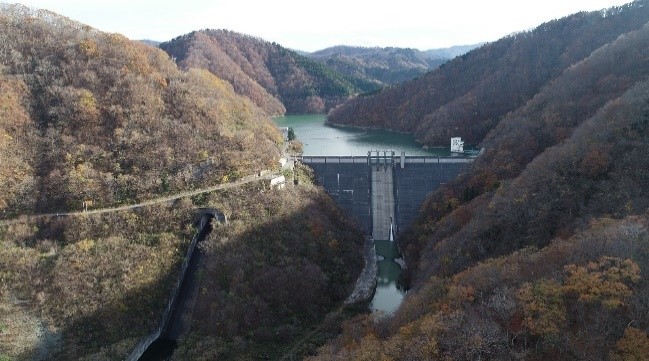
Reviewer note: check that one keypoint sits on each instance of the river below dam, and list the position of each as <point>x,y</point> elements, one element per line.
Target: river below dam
<point>388,293</point>
<point>322,139</point>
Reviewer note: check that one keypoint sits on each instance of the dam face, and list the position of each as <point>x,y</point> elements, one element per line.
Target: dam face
<point>383,192</point>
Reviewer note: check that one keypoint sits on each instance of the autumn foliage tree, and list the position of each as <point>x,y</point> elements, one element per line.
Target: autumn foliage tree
<point>112,120</point>
<point>583,297</point>
<point>277,79</point>
<point>540,249</point>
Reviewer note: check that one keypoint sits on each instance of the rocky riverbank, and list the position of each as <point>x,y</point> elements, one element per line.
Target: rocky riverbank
<point>366,283</point>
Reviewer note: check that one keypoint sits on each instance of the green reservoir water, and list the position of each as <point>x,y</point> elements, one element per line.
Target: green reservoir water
<point>321,139</point>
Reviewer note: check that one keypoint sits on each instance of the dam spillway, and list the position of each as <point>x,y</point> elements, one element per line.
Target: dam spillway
<point>382,210</point>
<point>383,191</point>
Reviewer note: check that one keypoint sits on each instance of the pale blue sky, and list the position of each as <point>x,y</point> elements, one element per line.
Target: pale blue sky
<point>307,25</point>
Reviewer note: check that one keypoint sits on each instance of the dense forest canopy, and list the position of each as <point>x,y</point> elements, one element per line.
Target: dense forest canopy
<point>469,95</point>
<point>385,66</point>
<point>277,79</point>
<point>538,251</point>
<point>87,116</point>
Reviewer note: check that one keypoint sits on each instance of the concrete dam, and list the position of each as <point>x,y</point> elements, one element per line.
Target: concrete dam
<point>381,190</point>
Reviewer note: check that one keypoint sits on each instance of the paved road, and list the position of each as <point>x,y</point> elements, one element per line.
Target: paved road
<point>237,183</point>
<point>382,201</point>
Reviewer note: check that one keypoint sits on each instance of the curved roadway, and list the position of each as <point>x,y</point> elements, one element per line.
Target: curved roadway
<point>237,183</point>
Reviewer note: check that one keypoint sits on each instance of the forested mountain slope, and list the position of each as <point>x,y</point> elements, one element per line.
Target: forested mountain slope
<point>540,250</point>
<point>93,116</point>
<point>577,149</point>
<point>384,66</point>
<point>87,116</point>
<point>468,96</point>
<point>277,79</point>
<point>581,298</point>
<point>286,260</point>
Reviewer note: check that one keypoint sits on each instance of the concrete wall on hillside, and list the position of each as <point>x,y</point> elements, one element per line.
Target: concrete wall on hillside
<point>143,345</point>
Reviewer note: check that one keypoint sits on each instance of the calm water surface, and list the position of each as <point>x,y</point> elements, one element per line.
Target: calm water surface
<point>321,139</point>
<point>389,294</point>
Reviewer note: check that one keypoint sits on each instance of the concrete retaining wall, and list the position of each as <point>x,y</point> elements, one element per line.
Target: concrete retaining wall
<point>366,282</point>
<point>334,159</point>
<point>414,159</point>
<point>144,344</point>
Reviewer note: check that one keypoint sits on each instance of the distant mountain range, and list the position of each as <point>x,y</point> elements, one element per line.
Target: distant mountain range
<point>451,52</point>
<point>469,95</point>
<point>277,79</point>
<point>281,80</point>
<point>386,66</point>
<point>151,42</point>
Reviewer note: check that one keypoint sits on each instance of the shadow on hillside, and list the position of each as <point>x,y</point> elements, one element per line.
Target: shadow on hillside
<point>249,279</point>
<point>113,324</point>
<point>267,286</point>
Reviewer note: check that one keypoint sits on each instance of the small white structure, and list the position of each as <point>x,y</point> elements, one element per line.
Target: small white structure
<point>457,145</point>
<point>284,131</point>
<point>278,182</point>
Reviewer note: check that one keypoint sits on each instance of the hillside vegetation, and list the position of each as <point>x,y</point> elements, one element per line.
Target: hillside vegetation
<point>577,150</point>
<point>90,287</point>
<point>581,298</point>
<point>538,251</point>
<point>89,116</point>
<point>383,66</point>
<point>277,79</point>
<point>469,95</point>
<point>285,260</point>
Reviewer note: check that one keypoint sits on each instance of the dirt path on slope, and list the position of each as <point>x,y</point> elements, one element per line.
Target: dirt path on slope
<point>234,184</point>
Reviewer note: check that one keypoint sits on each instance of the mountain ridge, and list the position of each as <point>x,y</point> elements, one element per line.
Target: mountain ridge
<point>435,109</point>
<point>385,66</point>
<point>278,79</point>
<point>515,254</point>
